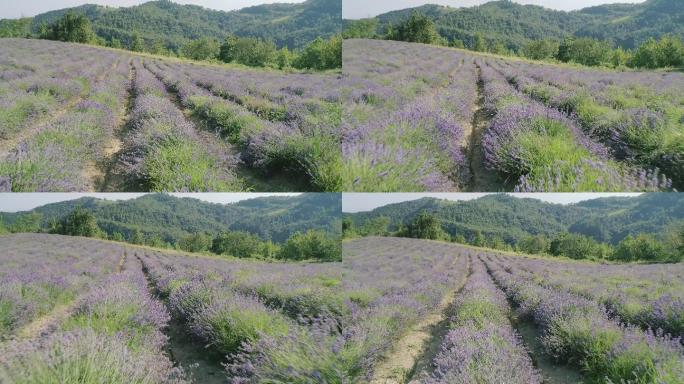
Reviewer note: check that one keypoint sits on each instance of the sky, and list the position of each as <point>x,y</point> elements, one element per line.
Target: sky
<point>16,202</point>
<point>360,202</point>
<point>357,9</point>
<point>12,9</point>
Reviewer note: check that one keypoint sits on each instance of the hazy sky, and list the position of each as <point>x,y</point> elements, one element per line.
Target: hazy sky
<point>357,9</point>
<point>15,202</point>
<point>11,9</point>
<point>359,202</point>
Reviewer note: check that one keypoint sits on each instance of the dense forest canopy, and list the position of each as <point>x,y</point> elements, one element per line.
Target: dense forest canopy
<point>171,219</point>
<point>173,25</point>
<point>515,25</point>
<point>607,220</point>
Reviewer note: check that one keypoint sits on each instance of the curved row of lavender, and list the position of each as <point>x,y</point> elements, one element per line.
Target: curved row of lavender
<point>481,345</point>
<point>649,296</point>
<point>75,105</point>
<point>639,116</point>
<point>406,111</point>
<point>583,332</point>
<point>111,327</point>
<point>409,115</point>
<point>63,109</point>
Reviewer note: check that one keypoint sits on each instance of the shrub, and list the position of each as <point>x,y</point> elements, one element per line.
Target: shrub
<point>311,245</point>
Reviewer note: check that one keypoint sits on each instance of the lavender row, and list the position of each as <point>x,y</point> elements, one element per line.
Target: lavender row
<point>58,155</point>
<point>641,295</point>
<point>580,330</point>
<point>163,151</point>
<point>481,345</point>
<point>259,342</point>
<point>546,151</point>
<point>41,272</point>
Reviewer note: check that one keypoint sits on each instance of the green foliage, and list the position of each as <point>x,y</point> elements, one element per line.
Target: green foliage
<point>29,222</point>
<point>321,54</point>
<point>417,28</point>
<point>640,247</point>
<point>137,237</point>
<point>577,246</point>
<point>137,43</point>
<point>479,44</point>
<point>668,52</point>
<point>15,28</point>
<point>71,27</point>
<point>198,242</point>
<point>254,52</point>
<point>348,230</point>
<point>288,25</point>
<point>238,244</point>
<point>311,245</point>
<point>424,226</point>
<point>537,244</point>
<point>377,226</point>
<point>541,49</point>
<point>80,222</point>
<point>360,29</point>
<point>585,51</point>
<point>204,48</point>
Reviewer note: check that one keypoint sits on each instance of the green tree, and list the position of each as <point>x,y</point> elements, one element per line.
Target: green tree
<point>457,43</point>
<point>201,49</point>
<point>137,237</point>
<point>116,43</point>
<point>321,54</point>
<point>29,222</point>
<point>253,52</point>
<point>238,244</point>
<point>71,27</point>
<point>535,245</point>
<point>117,236</point>
<point>348,228</point>
<point>479,240</point>
<point>541,49</point>
<point>361,29</point>
<point>80,222</point>
<point>137,43</point>
<point>227,49</point>
<point>640,247</point>
<point>479,44</point>
<point>377,226</point>
<point>311,245</point>
<point>576,246</point>
<point>285,58</point>
<point>418,28</point>
<point>425,226</point>
<point>198,242</point>
<point>585,51</point>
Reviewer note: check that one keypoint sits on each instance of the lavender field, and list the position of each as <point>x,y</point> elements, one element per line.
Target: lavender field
<point>80,118</point>
<point>446,313</point>
<point>427,118</point>
<point>87,311</point>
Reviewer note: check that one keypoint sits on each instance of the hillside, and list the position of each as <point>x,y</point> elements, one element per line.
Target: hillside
<point>291,25</point>
<point>628,25</point>
<point>605,219</point>
<point>274,218</point>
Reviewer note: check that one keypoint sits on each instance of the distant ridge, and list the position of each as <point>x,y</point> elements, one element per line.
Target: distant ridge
<point>291,25</point>
<point>605,219</point>
<point>628,25</point>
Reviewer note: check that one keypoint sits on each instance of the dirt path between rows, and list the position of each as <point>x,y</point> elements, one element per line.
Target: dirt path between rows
<point>414,352</point>
<point>481,178</point>
<point>107,179</point>
<point>201,364</point>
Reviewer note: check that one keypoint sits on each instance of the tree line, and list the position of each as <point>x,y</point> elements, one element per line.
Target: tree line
<point>320,54</point>
<point>666,52</point>
<point>309,245</point>
<point>645,247</point>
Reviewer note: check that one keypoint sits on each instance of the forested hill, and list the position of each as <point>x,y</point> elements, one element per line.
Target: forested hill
<point>274,218</point>
<point>605,219</point>
<point>628,25</point>
<point>291,25</point>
